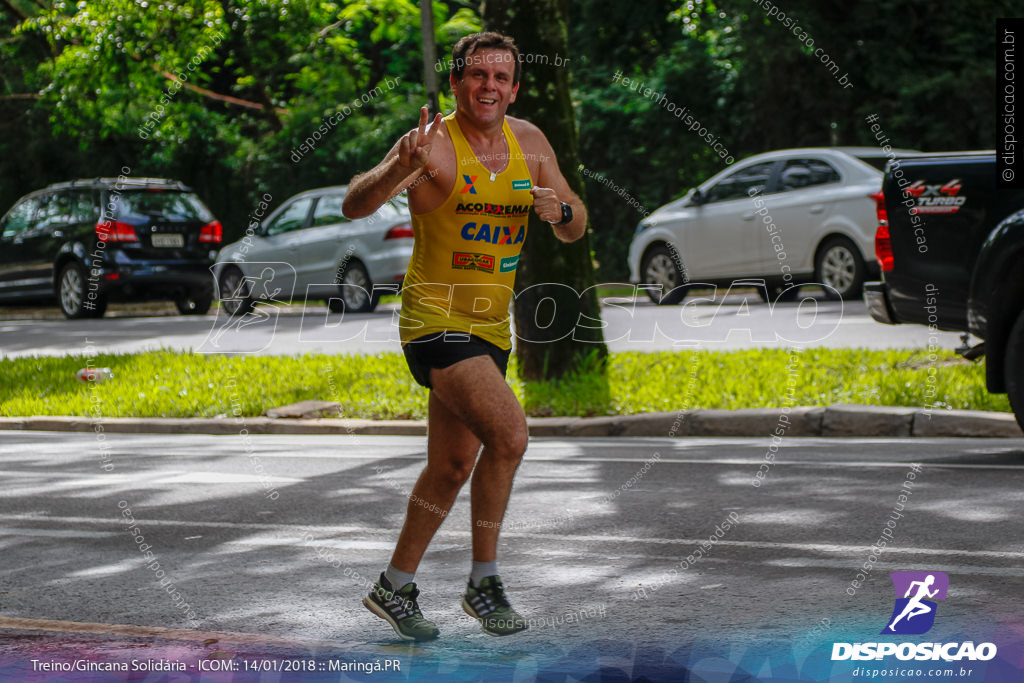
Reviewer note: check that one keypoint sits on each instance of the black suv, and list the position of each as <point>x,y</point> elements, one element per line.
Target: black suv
<point>88,242</point>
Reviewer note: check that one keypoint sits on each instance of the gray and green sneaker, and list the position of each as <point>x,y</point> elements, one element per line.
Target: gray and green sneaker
<point>400,609</point>
<point>487,604</point>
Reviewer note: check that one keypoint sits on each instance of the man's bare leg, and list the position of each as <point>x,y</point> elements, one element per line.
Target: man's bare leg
<point>475,392</point>
<point>469,405</point>
<point>480,405</point>
<point>478,395</point>
<point>451,452</point>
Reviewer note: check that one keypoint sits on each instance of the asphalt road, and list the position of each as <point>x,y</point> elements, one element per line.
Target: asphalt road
<point>276,535</point>
<point>736,321</point>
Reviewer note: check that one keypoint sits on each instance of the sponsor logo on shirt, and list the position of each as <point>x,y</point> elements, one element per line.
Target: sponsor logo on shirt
<point>508,264</point>
<point>465,261</point>
<point>485,209</point>
<point>495,234</point>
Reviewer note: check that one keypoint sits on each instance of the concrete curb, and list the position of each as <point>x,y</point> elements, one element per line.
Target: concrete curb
<point>834,421</point>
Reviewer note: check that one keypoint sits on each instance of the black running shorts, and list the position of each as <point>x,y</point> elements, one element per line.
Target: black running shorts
<point>442,349</point>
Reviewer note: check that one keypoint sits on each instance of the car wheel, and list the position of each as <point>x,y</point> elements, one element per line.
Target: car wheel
<point>74,297</point>
<point>1014,369</point>
<point>360,298</point>
<point>194,303</point>
<point>840,266</point>
<point>661,267</point>
<point>235,291</point>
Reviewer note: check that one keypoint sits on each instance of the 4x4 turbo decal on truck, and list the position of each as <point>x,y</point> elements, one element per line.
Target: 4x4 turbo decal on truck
<point>936,198</point>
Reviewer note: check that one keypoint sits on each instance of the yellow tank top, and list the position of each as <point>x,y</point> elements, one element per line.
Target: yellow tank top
<point>466,252</point>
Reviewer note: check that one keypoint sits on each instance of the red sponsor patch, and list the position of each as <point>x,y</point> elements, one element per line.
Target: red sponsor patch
<point>466,261</point>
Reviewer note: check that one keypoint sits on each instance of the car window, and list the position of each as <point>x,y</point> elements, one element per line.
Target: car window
<point>53,211</point>
<point>741,183</point>
<point>391,210</point>
<point>19,219</point>
<point>167,204</point>
<point>328,210</point>
<point>84,207</point>
<point>801,173</point>
<point>292,217</point>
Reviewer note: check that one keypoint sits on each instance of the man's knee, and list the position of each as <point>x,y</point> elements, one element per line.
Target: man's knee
<point>520,441</point>
<point>456,473</point>
<point>510,443</point>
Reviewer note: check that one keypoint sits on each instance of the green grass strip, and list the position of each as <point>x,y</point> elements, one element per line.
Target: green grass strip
<point>168,384</point>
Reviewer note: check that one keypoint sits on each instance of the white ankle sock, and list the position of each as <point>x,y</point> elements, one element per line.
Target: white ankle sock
<point>397,578</point>
<point>482,570</point>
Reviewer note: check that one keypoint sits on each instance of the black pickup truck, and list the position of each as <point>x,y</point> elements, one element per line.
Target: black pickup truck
<point>950,244</point>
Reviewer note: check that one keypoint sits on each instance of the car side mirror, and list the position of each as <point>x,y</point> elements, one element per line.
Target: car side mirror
<point>698,198</point>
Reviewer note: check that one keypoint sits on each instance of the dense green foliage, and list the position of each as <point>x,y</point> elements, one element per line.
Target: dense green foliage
<point>268,77</point>
<point>77,80</point>
<point>166,384</point>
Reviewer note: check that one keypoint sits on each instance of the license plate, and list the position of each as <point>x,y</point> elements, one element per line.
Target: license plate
<point>171,240</point>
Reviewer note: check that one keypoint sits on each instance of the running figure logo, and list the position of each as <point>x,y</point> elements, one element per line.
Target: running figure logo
<point>914,612</point>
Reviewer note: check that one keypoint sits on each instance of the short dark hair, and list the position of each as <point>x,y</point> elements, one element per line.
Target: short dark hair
<point>467,45</point>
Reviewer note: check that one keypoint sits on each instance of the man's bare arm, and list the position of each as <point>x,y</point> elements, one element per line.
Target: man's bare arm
<point>399,168</point>
<point>547,202</point>
<point>552,190</point>
<point>368,191</point>
<point>574,229</point>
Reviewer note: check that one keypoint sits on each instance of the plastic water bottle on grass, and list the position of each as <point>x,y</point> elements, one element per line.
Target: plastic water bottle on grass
<point>94,374</point>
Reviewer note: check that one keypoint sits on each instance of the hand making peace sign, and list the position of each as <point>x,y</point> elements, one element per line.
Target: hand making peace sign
<point>414,147</point>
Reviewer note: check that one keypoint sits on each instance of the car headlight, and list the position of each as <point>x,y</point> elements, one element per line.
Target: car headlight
<point>643,225</point>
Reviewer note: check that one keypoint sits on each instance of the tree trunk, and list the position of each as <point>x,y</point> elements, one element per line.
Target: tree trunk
<point>557,315</point>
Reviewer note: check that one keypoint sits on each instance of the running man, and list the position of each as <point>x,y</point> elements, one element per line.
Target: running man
<point>915,607</point>
<point>473,177</point>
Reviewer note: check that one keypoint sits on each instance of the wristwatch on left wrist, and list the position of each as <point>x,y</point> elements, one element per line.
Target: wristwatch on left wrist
<point>566,215</point>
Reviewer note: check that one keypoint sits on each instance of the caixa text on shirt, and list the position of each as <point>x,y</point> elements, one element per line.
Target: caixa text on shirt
<point>495,234</point>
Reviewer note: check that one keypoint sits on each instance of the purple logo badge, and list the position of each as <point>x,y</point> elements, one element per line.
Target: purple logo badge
<point>914,612</point>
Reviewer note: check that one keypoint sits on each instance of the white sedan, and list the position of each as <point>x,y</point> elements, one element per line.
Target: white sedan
<point>307,250</point>
<point>786,218</point>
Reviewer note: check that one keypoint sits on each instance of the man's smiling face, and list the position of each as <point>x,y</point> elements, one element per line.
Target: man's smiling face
<point>486,89</point>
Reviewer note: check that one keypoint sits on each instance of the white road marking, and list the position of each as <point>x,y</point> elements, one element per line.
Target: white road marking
<point>108,570</point>
<point>56,480</point>
<point>56,533</point>
<point>290,541</point>
<point>118,521</point>
<point>794,463</point>
<point>955,569</point>
<point>463,536</point>
<point>217,478</point>
<point>223,638</point>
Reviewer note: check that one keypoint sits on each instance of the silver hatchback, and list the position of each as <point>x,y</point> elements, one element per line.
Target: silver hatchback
<point>307,250</point>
